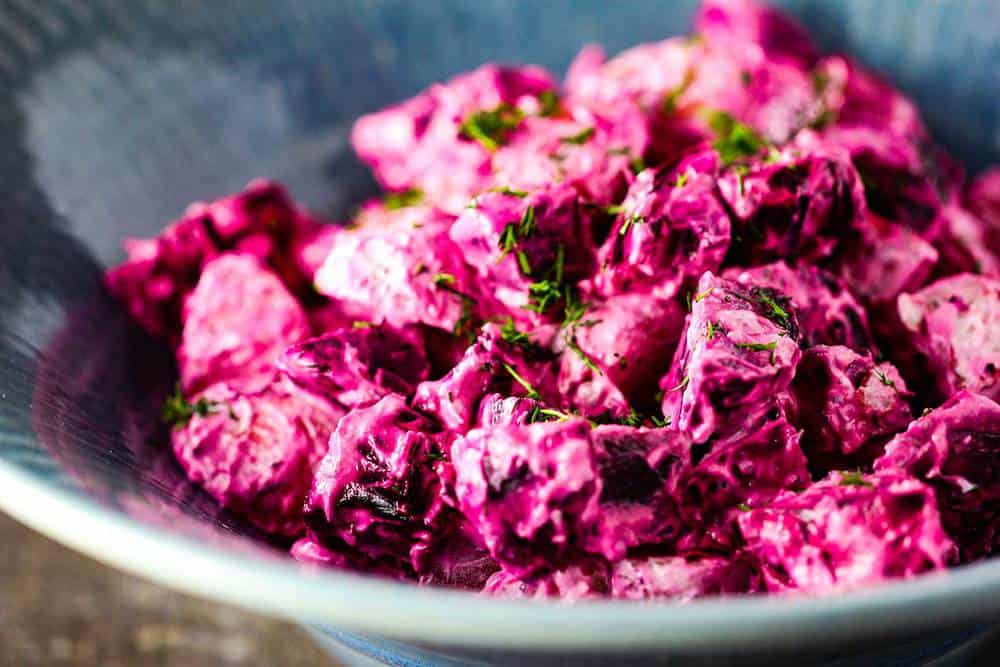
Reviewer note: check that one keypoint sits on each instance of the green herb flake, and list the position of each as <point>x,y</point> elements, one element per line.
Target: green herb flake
<point>435,455</point>
<point>550,104</point>
<point>361,324</point>
<point>743,507</point>
<point>733,140</point>
<point>634,219</point>
<point>854,478</point>
<point>510,333</point>
<point>710,330</point>
<point>613,210</point>
<point>820,80</point>
<point>542,295</point>
<point>571,343</point>
<point>580,138</point>
<point>759,347</point>
<point>671,99</point>
<point>510,192</point>
<point>523,263</point>
<point>177,411</point>
<point>741,170</point>
<point>746,78</point>
<point>443,279</point>
<point>574,310</point>
<point>685,382</point>
<point>491,127</point>
<point>660,422</point>
<point>637,165</point>
<point>532,392</point>
<point>681,180</point>
<point>394,201</point>
<point>527,226</point>
<point>884,379</point>
<point>701,296</point>
<point>633,419</point>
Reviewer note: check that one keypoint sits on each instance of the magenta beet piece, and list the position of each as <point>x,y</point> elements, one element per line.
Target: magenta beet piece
<point>955,322</point>
<point>847,406</point>
<point>580,581</point>
<point>377,489</point>
<point>968,243</point>
<point>357,366</point>
<point>748,468</point>
<point>845,532</point>
<point>640,470</point>
<point>589,149</point>
<point>983,200</point>
<point>617,351</point>
<point>740,23</point>
<point>532,492</point>
<point>682,579</point>
<point>738,351</point>
<point>498,410</point>
<point>400,267</point>
<point>440,141</point>
<point>237,321</point>
<point>159,273</point>
<point>795,205</point>
<point>489,365</point>
<point>899,185</point>
<point>671,228</point>
<point>515,240</point>
<point>828,313</point>
<point>955,448</point>
<point>255,452</point>
<point>892,259</point>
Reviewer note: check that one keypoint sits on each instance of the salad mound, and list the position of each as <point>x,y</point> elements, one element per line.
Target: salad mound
<point>713,316</point>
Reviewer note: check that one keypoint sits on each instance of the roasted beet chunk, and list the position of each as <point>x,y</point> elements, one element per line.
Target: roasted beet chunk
<point>614,353</point>
<point>440,142</point>
<point>828,313</point>
<point>237,321</point>
<point>590,149</point>
<point>497,410</point>
<point>682,579</point>
<point>579,581</point>
<point>746,469</point>
<point>399,266</point>
<point>847,531</point>
<point>738,352</point>
<point>489,365</point>
<point>892,260</point>
<point>639,471</point>
<point>357,366</point>
<point>795,205</point>
<point>532,492</point>
<point>376,489</point>
<point>955,322</point>
<point>847,405</point>
<point>159,273</point>
<point>983,200</point>
<point>670,229</point>
<point>254,452</point>
<point>518,242</point>
<point>956,448</point>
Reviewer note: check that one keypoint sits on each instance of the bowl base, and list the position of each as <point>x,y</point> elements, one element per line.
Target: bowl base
<point>957,649</point>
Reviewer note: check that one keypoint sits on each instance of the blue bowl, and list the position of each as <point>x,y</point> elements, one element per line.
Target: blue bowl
<point>115,114</point>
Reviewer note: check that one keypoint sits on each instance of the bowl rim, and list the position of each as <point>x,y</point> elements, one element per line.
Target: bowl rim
<point>282,588</point>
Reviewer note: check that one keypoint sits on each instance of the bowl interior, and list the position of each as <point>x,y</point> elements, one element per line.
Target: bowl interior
<point>114,115</point>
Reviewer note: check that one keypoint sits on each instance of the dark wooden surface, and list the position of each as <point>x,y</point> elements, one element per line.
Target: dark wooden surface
<point>60,608</point>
